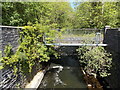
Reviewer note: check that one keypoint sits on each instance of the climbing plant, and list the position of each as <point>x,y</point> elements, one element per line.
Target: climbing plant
<point>32,48</point>
<point>1,67</point>
<point>95,60</point>
<point>8,50</point>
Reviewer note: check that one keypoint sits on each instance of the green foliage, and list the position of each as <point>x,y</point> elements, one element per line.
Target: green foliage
<point>19,13</point>
<point>8,50</point>
<point>96,15</point>
<point>1,66</point>
<point>86,14</point>
<point>54,15</point>
<point>95,60</point>
<point>32,49</point>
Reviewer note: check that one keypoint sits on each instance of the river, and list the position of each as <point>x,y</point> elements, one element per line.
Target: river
<point>69,77</point>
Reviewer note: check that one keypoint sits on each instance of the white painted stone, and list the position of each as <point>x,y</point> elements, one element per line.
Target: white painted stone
<point>34,84</point>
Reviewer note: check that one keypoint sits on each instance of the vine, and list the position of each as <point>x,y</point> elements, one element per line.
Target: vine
<point>32,48</point>
<point>1,67</point>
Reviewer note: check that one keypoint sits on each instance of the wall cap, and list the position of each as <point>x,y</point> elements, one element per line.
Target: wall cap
<point>9,26</point>
<point>107,26</point>
<point>118,29</point>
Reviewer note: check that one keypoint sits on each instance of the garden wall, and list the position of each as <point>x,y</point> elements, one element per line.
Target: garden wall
<point>112,38</point>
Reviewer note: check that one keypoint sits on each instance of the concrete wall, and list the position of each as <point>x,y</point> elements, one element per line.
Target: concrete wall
<point>112,38</point>
<point>9,34</point>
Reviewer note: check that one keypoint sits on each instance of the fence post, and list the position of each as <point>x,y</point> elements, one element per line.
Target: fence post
<point>98,34</point>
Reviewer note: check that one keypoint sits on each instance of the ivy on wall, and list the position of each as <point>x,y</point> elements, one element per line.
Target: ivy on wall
<point>32,48</point>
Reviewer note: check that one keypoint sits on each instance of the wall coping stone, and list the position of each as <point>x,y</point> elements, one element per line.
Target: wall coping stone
<point>118,29</point>
<point>10,27</point>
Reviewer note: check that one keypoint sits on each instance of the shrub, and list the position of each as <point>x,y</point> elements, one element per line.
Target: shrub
<point>95,60</point>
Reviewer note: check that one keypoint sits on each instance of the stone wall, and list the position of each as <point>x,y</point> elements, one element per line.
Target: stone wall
<point>112,38</point>
<point>9,35</point>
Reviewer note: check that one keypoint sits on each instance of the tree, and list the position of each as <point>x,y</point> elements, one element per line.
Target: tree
<point>82,16</point>
<point>110,14</point>
<point>46,13</point>
<point>97,15</point>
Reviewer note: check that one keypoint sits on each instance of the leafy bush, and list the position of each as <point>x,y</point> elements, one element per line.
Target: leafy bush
<point>95,60</point>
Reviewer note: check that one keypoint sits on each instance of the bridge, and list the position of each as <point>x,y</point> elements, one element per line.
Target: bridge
<point>77,37</point>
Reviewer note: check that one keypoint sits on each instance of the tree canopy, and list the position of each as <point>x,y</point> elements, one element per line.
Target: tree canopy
<point>86,14</point>
<point>20,13</point>
<point>97,15</point>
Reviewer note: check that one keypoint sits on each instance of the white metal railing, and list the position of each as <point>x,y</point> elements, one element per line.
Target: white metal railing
<point>79,37</point>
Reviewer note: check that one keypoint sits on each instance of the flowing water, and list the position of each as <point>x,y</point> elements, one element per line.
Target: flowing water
<point>70,76</point>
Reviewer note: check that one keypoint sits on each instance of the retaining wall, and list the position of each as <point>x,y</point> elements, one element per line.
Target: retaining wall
<point>112,38</point>
<point>9,35</point>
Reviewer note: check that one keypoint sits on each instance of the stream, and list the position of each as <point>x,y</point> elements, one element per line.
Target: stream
<point>69,75</point>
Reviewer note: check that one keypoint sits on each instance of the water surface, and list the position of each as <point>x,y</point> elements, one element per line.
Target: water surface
<point>70,77</point>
